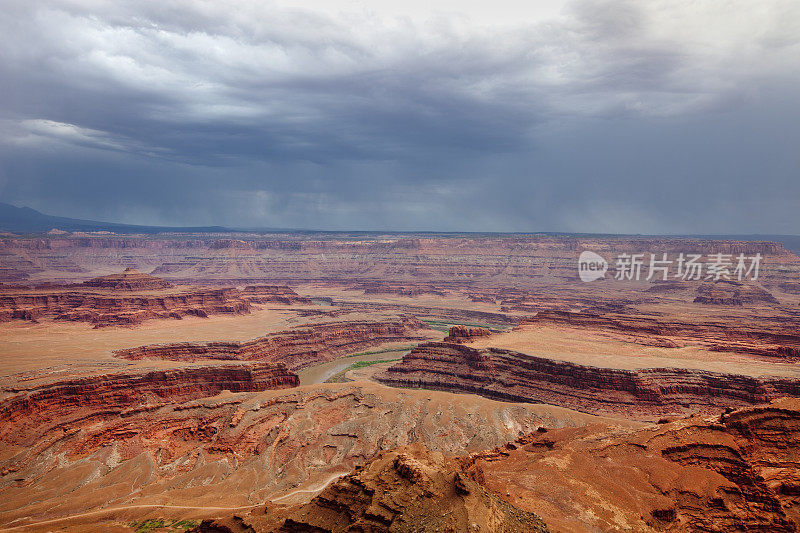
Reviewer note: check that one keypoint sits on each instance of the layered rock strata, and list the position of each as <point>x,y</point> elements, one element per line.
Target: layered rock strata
<point>297,348</point>
<point>409,489</point>
<point>440,313</point>
<point>232,450</point>
<point>131,297</point>
<point>499,261</point>
<point>773,338</point>
<point>733,293</point>
<point>104,309</point>
<point>645,394</point>
<point>129,280</point>
<point>24,413</point>
<point>271,294</point>
<point>461,333</point>
<point>735,472</point>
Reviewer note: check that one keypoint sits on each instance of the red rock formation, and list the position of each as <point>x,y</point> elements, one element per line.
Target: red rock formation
<point>232,450</point>
<point>264,294</point>
<point>738,472</point>
<point>27,412</point>
<point>386,287</point>
<point>461,333</point>
<point>409,489</point>
<point>500,261</point>
<point>645,394</point>
<point>128,299</point>
<point>105,309</point>
<point>441,313</point>
<point>732,293</point>
<point>129,280</point>
<point>298,347</point>
<point>756,336</point>
<point>735,472</point>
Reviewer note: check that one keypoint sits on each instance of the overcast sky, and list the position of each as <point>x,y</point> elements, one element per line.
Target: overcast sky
<point>673,116</point>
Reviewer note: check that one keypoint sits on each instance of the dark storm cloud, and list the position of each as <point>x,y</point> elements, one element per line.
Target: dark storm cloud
<point>617,116</point>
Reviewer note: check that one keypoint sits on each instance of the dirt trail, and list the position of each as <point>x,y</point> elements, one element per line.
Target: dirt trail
<point>112,510</point>
<point>319,487</point>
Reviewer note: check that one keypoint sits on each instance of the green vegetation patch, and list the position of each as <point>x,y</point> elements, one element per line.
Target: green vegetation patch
<point>444,325</point>
<point>152,524</point>
<point>383,350</point>
<point>339,376</point>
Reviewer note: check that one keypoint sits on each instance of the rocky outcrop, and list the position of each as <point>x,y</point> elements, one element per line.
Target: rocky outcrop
<point>297,348</point>
<point>103,309</point>
<point>461,333</point>
<point>235,450</point>
<point>440,313</point>
<point>131,297</point>
<point>732,293</point>
<point>737,472</point>
<point>409,489</point>
<point>129,280</point>
<point>757,336</point>
<point>25,413</point>
<point>273,294</point>
<point>505,261</point>
<point>644,394</point>
<point>386,287</point>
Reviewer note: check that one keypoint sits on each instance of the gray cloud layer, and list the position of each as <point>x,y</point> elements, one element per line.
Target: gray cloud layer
<point>619,115</point>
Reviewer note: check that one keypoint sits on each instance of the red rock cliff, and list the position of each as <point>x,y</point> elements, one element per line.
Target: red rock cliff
<point>297,348</point>
<point>776,338</point>
<point>642,394</point>
<point>25,411</point>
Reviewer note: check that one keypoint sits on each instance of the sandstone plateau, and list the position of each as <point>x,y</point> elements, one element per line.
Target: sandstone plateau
<point>297,348</point>
<point>234,450</point>
<point>131,297</point>
<point>388,261</point>
<point>476,385</point>
<point>646,394</point>
<point>734,472</point>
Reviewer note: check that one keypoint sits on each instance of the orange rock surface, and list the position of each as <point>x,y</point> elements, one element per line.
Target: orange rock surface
<point>735,472</point>
<point>131,298</point>
<point>297,348</point>
<point>645,394</point>
<point>552,403</point>
<point>129,280</point>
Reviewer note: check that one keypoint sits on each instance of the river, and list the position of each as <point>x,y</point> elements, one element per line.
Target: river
<point>323,371</point>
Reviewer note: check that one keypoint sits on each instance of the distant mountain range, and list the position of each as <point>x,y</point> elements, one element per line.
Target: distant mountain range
<point>27,220</point>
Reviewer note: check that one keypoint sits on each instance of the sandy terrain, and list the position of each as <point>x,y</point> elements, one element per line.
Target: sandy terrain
<point>192,453</point>
<point>324,430</point>
<point>613,350</point>
<point>69,348</point>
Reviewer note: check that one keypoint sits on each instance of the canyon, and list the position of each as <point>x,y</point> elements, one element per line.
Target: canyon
<point>733,472</point>
<point>645,394</point>
<point>378,260</point>
<point>130,298</point>
<point>296,348</point>
<point>150,377</point>
<point>758,337</point>
<point>26,414</point>
<point>234,449</point>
